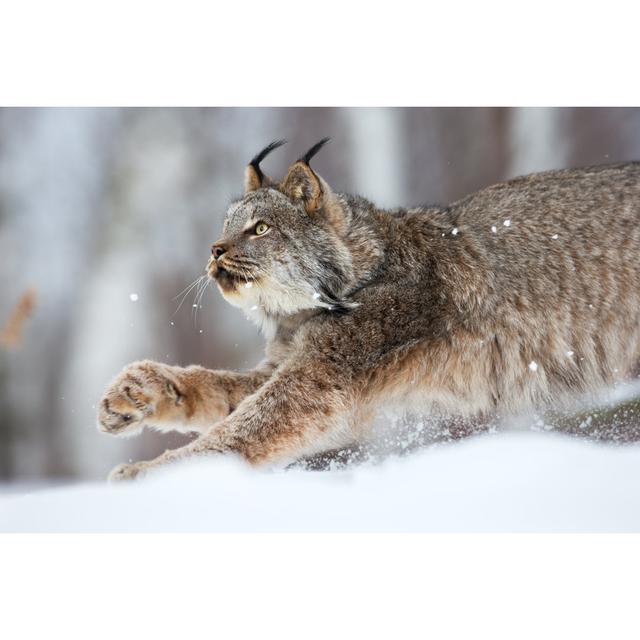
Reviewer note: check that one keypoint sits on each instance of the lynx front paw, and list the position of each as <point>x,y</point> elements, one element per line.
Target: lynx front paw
<point>125,472</point>
<point>144,392</point>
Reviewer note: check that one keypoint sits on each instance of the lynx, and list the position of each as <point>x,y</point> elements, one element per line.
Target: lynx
<point>520,295</point>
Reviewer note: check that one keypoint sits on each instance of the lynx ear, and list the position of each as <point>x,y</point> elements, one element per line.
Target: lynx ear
<point>253,176</point>
<point>302,184</point>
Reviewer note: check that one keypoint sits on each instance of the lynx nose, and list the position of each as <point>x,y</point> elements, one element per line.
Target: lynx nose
<point>218,249</point>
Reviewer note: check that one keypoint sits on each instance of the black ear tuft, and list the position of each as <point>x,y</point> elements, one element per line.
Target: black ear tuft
<point>258,158</point>
<point>312,152</point>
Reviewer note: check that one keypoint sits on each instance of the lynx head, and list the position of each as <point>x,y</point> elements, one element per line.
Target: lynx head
<point>282,249</point>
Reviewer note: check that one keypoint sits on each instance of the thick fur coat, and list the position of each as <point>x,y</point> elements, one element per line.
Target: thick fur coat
<point>523,294</point>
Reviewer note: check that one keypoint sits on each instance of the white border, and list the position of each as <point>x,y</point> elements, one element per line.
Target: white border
<point>319,586</point>
<point>284,52</point>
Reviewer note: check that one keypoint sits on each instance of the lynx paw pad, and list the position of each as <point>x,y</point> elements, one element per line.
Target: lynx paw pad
<point>139,393</point>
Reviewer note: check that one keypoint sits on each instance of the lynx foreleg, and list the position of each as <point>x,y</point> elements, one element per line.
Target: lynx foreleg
<point>173,398</point>
<point>300,411</point>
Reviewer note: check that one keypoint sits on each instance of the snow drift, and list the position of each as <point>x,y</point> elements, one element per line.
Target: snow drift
<point>496,482</point>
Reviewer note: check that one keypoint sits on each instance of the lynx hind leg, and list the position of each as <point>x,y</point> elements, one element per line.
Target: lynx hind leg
<point>142,393</point>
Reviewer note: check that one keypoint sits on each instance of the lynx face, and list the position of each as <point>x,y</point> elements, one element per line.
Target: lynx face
<point>276,256</point>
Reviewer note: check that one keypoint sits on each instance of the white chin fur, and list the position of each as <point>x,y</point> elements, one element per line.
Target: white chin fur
<point>271,299</point>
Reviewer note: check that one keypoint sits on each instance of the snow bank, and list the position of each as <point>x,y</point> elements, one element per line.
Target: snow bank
<point>496,482</point>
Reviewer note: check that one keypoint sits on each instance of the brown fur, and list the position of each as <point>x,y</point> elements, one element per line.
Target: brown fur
<point>520,295</point>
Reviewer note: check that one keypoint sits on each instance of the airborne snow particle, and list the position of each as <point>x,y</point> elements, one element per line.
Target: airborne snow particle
<point>255,306</point>
<point>507,223</point>
<point>201,331</point>
<point>133,297</point>
<point>554,236</point>
<point>569,353</point>
<point>248,285</point>
<point>494,229</point>
<point>454,231</point>
<point>585,424</point>
<point>195,306</point>
<point>533,366</point>
<point>316,295</point>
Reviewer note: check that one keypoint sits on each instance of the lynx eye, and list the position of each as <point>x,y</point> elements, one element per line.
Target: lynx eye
<point>261,228</point>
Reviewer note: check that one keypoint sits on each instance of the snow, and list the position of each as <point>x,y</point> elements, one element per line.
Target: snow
<point>554,236</point>
<point>133,297</point>
<point>507,223</point>
<point>494,229</point>
<point>518,481</point>
<point>454,231</point>
<point>533,366</point>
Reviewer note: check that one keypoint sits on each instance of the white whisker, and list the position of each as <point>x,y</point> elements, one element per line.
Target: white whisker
<point>198,298</point>
<point>185,292</point>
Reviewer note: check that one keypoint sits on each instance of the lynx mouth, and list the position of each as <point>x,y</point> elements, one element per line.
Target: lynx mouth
<point>229,279</point>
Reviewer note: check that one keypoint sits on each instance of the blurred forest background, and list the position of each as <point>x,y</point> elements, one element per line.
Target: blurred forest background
<point>107,214</point>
